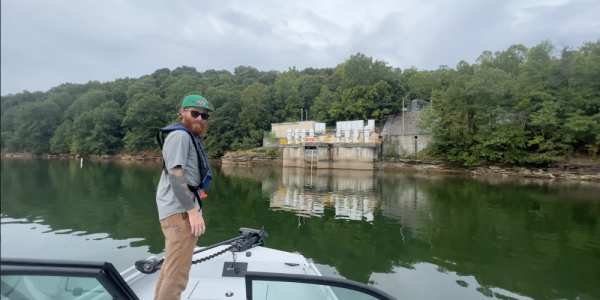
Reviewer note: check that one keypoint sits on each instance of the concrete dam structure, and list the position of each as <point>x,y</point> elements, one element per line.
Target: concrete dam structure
<point>352,145</point>
<point>316,155</point>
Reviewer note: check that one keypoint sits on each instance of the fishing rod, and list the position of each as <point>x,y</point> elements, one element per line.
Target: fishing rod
<point>249,238</point>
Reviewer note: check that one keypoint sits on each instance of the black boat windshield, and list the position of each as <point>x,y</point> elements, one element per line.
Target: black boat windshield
<point>44,279</point>
<point>263,286</point>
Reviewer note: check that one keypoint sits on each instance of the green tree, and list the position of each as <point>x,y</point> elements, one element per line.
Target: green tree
<point>8,126</point>
<point>142,122</point>
<point>98,131</point>
<point>253,113</point>
<point>118,89</point>
<point>219,95</point>
<point>287,101</point>
<point>15,100</point>
<point>518,105</point>
<point>63,138</point>
<point>422,84</point>
<point>309,87</point>
<point>87,102</point>
<point>63,99</point>
<point>145,86</point>
<point>224,127</point>
<point>245,76</point>
<point>34,125</point>
<point>325,101</point>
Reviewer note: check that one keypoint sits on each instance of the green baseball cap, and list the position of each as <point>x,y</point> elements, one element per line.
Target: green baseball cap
<point>197,101</point>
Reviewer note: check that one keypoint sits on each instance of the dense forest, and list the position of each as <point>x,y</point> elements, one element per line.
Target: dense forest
<point>518,106</point>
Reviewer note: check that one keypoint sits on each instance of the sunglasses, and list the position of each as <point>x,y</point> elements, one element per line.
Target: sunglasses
<point>195,114</point>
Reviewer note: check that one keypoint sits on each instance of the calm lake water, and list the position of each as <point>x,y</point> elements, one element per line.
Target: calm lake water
<point>414,236</point>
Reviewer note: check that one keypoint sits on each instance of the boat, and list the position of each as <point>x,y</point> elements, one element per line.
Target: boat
<point>238,268</point>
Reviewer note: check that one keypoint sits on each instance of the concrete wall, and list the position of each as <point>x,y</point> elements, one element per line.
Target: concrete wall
<point>357,156</point>
<point>353,156</point>
<point>317,158</point>
<point>293,156</point>
<point>403,124</point>
<point>397,145</point>
<point>323,158</point>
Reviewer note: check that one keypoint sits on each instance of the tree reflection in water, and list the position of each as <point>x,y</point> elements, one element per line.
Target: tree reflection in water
<point>415,235</point>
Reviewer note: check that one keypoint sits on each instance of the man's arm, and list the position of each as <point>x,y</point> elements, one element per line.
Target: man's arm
<point>184,195</point>
<point>175,154</point>
<point>180,188</point>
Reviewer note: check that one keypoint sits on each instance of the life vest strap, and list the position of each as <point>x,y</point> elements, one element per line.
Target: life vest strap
<point>196,195</point>
<point>193,189</point>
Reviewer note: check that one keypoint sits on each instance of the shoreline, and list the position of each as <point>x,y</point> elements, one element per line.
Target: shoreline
<point>138,157</point>
<point>574,171</point>
<point>558,171</point>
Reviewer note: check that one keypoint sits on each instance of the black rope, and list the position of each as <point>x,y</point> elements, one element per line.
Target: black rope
<point>197,261</point>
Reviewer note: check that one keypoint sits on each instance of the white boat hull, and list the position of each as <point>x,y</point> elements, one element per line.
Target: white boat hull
<point>207,281</point>
<point>254,272</point>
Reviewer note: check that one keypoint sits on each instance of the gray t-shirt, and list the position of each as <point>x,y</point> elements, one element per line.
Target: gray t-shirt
<point>177,150</point>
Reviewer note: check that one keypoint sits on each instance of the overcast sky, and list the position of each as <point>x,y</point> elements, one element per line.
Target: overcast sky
<point>46,43</point>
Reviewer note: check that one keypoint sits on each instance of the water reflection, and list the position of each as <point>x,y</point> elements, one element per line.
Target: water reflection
<point>413,235</point>
<point>503,238</point>
<point>306,193</point>
<point>354,195</point>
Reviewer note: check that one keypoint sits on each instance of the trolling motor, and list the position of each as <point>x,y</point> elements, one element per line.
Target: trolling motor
<point>249,238</point>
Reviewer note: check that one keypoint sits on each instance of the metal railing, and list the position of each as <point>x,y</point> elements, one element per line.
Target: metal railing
<point>330,135</point>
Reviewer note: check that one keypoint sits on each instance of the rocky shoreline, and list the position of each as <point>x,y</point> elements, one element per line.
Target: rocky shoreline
<point>564,171</point>
<point>258,156</point>
<point>252,160</point>
<point>143,157</point>
<point>559,171</point>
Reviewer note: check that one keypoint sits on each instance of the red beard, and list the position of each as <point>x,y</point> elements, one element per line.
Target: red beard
<point>195,126</point>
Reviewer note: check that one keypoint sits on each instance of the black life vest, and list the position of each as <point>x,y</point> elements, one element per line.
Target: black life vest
<point>203,166</point>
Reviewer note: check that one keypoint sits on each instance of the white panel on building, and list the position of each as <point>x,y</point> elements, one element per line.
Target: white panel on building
<point>360,124</point>
<point>320,128</point>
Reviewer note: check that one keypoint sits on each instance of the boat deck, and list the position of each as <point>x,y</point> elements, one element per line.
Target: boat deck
<point>215,278</point>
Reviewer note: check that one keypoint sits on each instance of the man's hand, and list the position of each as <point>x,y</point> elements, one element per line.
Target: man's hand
<point>196,222</point>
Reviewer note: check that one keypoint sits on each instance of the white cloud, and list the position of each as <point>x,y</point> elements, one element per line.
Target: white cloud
<point>47,43</point>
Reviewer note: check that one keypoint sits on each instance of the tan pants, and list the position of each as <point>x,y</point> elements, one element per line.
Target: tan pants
<point>179,249</point>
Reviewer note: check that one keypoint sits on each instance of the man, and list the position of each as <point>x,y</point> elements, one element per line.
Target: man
<point>186,174</point>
